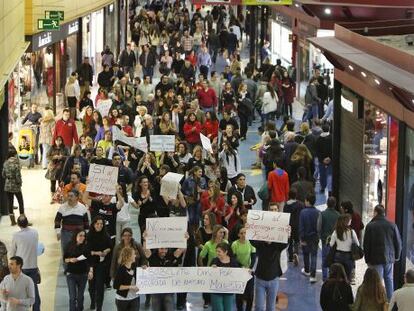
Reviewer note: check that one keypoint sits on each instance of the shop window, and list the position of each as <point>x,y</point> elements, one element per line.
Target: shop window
<point>409,198</point>
<point>375,160</point>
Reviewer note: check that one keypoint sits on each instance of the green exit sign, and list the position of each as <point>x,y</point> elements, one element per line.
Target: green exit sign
<point>48,24</point>
<point>60,15</point>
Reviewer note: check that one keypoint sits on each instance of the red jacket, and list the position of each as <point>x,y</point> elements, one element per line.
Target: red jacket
<point>278,183</point>
<point>207,99</point>
<point>68,131</point>
<point>128,130</point>
<point>218,209</point>
<point>211,128</point>
<point>190,136</point>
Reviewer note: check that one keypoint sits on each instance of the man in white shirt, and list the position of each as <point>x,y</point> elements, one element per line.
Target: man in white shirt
<point>24,244</point>
<point>403,298</point>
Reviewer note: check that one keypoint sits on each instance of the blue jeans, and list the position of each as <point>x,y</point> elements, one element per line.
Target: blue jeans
<point>76,287</point>
<point>266,293</point>
<point>386,271</point>
<point>194,212</point>
<point>222,302</point>
<point>345,259</point>
<point>34,275</point>
<point>148,71</point>
<point>313,112</point>
<point>310,256</point>
<point>325,268</point>
<point>207,109</point>
<point>325,176</point>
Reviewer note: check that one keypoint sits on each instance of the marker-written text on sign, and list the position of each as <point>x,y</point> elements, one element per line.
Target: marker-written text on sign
<point>268,226</point>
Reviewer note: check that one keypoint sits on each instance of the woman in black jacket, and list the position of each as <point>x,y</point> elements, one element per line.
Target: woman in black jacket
<point>78,269</point>
<point>336,293</point>
<point>126,298</point>
<point>100,246</point>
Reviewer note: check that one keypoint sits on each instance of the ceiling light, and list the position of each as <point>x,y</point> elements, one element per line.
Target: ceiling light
<point>412,101</point>
<point>350,67</point>
<point>297,5</point>
<point>377,81</point>
<point>363,74</point>
<point>328,11</point>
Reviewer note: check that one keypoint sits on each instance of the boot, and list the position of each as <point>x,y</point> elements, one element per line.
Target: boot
<point>13,220</point>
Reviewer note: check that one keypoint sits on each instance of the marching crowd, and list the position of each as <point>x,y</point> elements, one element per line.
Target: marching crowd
<point>203,89</point>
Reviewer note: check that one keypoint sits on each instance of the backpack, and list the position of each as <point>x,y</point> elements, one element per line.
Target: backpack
<point>308,96</point>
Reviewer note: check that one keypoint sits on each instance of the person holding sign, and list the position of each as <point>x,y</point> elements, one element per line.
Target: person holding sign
<point>223,302</point>
<point>126,298</point>
<point>78,270</point>
<point>163,257</point>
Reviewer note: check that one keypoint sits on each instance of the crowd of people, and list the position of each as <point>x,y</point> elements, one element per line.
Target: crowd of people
<point>203,89</point>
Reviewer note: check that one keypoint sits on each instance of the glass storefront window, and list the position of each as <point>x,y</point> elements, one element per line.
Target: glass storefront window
<point>409,197</point>
<point>375,159</point>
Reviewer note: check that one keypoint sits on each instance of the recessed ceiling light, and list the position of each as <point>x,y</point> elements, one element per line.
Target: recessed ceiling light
<point>297,5</point>
<point>350,67</point>
<point>363,74</point>
<point>377,81</point>
<point>328,11</point>
<point>412,101</point>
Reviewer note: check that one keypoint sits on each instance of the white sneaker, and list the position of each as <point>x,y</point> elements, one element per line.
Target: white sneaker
<point>304,272</point>
<point>313,280</point>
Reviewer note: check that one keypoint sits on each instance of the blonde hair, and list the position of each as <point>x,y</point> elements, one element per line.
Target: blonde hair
<point>48,115</point>
<point>125,255</point>
<point>301,152</point>
<point>304,128</point>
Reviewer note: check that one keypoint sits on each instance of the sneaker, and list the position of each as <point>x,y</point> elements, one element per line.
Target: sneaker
<point>295,259</point>
<point>313,279</point>
<point>304,272</point>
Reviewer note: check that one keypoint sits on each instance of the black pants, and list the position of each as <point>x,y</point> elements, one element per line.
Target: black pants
<point>243,125</point>
<point>96,286</point>
<point>53,186</point>
<point>127,305</point>
<point>19,197</point>
<point>247,297</point>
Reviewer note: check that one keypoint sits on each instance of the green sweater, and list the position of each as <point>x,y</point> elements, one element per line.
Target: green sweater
<point>329,217</point>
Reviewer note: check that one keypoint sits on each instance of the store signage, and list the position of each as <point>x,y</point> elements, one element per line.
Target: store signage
<point>60,15</point>
<point>267,2</point>
<point>48,24</point>
<point>347,104</point>
<point>46,38</point>
<point>218,2</point>
<point>73,27</point>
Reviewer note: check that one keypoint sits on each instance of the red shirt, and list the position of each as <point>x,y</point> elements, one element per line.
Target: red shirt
<point>211,128</point>
<point>278,183</point>
<point>66,129</point>
<point>192,137</point>
<point>218,209</point>
<point>128,130</point>
<point>207,99</point>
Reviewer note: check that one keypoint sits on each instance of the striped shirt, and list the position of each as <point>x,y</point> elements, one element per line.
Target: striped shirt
<point>71,218</point>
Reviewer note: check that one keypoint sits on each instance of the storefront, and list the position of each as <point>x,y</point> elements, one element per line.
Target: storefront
<point>373,149</point>
<point>93,38</point>
<point>51,58</point>
<point>281,40</point>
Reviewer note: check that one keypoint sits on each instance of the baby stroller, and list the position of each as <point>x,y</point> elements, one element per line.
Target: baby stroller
<point>27,145</point>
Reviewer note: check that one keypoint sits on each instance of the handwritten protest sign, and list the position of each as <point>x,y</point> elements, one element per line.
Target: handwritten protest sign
<point>268,226</point>
<point>166,232</point>
<point>103,106</point>
<point>103,179</point>
<point>170,184</point>
<point>205,141</point>
<point>162,143</point>
<point>192,280</point>
<point>136,142</point>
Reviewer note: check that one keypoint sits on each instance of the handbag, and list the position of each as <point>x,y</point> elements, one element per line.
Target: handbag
<point>357,252</point>
<point>123,215</point>
<point>58,195</point>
